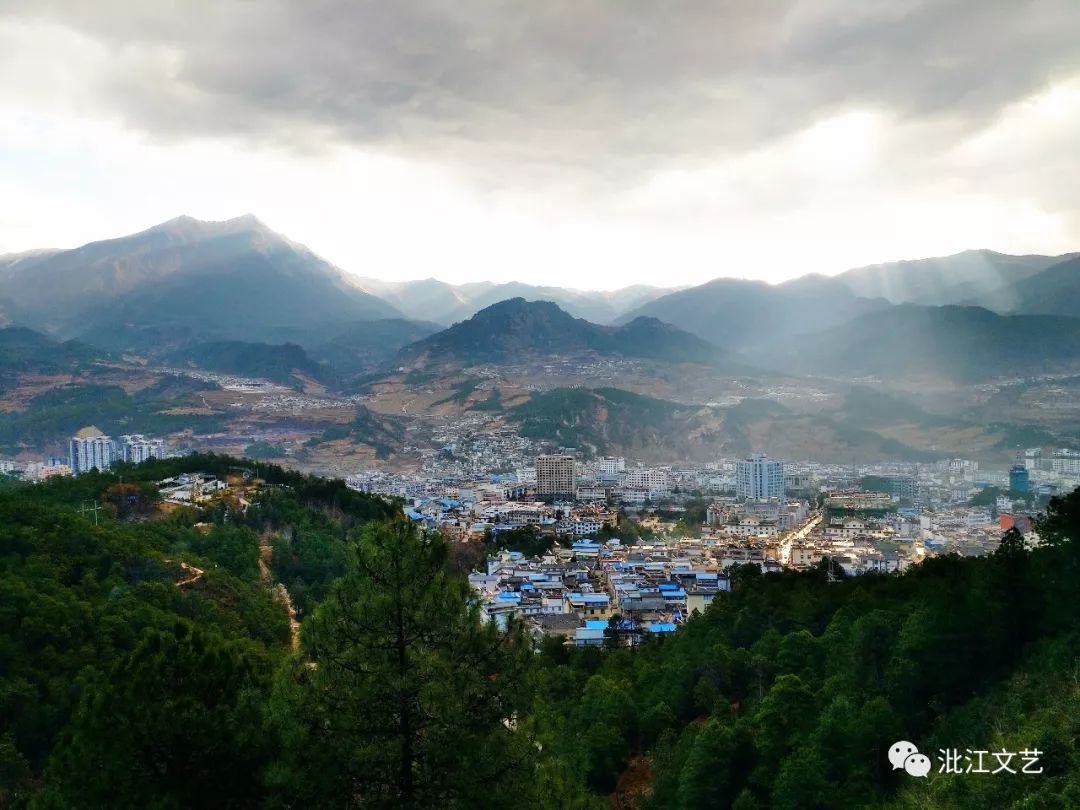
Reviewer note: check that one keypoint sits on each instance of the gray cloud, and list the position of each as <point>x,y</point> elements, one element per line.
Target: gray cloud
<point>605,87</point>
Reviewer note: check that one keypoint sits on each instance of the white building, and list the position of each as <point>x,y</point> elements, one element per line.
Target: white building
<point>656,482</point>
<point>137,449</point>
<point>89,449</point>
<point>1066,462</point>
<point>610,468</point>
<point>759,477</point>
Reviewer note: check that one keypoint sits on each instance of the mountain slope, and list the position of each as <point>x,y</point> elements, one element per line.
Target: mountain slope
<point>516,329</point>
<point>285,363</point>
<point>366,345</point>
<point>612,420</point>
<point>25,351</point>
<point>1054,291</point>
<point>743,315</point>
<point>953,342</point>
<point>233,279</point>
<point>973,275</point>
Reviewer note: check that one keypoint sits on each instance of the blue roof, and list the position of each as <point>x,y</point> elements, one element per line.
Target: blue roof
<point>414,515</point>
<point>596,624</point>
<point>662,627</point>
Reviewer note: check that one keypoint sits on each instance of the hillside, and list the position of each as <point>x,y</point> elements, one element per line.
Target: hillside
<point>1054,291</point>
<point>952,342</point>
<point>863,426</point>
<point>973,275</point>
<point>433,300</point>
<point>517,329</point>
<point>366,345</point>
<point>789,691</point>
<point>148,644</point>
<point>185,279</point>
<point>24,350</point>
<point>746,315</point>
<point>284,363</point>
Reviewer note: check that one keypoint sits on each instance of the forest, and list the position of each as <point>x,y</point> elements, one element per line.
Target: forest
<point>147,660</point>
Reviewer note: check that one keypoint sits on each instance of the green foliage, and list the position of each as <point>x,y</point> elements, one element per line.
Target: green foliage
<point>788,691</point>
<point>75,599</point>
<point>24,350</point>
<point>120,688</point>
<point>411,698</point>
<point>278,363</point>
<point>174,724</point>
<point>601,418</point>
<point>264,450</point>
<point>527,539</point>
<point>492,403</point>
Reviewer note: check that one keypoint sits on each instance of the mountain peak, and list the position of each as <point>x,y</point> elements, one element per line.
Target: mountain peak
<point>514,328</point>
<point>189,227</point>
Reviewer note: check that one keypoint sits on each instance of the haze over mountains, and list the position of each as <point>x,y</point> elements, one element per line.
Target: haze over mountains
<point>434,300</point>
<point>188,281</point>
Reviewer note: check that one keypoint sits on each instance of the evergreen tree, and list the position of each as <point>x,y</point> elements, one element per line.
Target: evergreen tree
<point>409,699</point>
<point>176,724</point>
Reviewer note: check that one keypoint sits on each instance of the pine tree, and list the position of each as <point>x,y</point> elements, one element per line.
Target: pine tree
<point>409,698</point>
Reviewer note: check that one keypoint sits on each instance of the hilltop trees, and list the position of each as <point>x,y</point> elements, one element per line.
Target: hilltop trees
<point>175,724</point>
<point>409,700</point>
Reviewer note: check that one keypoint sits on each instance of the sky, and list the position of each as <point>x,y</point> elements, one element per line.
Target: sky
<point>584,143</point>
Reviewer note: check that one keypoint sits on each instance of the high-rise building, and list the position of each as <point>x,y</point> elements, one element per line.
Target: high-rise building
<point>89,449</point>
<point>759,477</point>
<point>1019,479</point>
<point>137,449</point>
<point>555,475</point>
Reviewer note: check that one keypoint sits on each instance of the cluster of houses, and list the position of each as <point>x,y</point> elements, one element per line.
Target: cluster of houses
<point>574,593</point>
<point>478,512</point>
<point>191,488</point>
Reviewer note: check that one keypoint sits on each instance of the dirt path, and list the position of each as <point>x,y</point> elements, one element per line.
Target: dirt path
<point>191,574</point>
<point>281,593</point>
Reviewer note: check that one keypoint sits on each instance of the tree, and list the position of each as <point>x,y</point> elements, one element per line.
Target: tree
<point>176,724</point>
<point>410,699</point>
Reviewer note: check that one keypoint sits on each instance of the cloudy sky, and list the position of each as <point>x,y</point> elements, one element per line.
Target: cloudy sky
<point>577,142</point>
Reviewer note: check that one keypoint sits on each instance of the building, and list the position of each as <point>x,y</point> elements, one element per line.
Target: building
<point>555,476</point>
<point>656,482</point>
<point>1065,462</point>
<point>137,449</point>
<point>610,468</point>
<point>89,449</point>
<point>1019,479</point>
<point>759,477</point>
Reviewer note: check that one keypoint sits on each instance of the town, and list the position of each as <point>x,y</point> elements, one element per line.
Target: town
<point>604,550</point>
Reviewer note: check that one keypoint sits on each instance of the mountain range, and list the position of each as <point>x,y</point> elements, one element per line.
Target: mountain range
<point>187,282</point>
<point>981,277</point>
<point>433,300</point>
<point>960,343</point>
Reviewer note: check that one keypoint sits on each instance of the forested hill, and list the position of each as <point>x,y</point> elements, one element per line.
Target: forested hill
<point>148,661</point>
<point>788,692</point>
